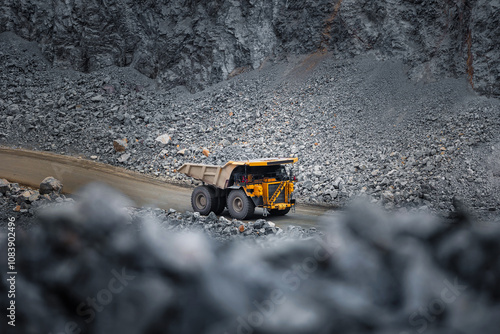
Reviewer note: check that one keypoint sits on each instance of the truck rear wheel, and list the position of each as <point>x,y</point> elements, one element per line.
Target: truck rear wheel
<point>276,212</point>
<point>203,200</point>
<point>239,205</point>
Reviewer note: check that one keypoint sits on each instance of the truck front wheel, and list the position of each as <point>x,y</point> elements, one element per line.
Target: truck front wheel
<point>239,205</point>
<point>203,199</point>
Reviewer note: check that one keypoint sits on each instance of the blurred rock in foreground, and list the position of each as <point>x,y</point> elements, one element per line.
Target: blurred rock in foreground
<point>89,268</point>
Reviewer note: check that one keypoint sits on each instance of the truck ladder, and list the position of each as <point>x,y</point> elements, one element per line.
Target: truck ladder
<point>276,193</point>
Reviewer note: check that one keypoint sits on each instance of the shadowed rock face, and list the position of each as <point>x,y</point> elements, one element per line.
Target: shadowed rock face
<point>196,43</point>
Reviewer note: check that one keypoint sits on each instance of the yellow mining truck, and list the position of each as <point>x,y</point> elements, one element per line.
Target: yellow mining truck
<point>243,185</point>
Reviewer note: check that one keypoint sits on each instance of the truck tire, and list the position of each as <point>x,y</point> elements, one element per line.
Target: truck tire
<point>276,212</point>
<point>219,204</point>
<point>240,206</point>
<point>203,199</point>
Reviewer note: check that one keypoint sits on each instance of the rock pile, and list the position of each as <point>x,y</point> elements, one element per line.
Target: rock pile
<point>218,228</point>
<point>86,268</point>
<point>23,199</point>
<point>23,203</point>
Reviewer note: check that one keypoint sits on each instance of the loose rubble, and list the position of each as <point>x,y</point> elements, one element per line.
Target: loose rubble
<point>14,197</point>
<point>220,228</point>
<point>23,203</point>
<point>95,266</point>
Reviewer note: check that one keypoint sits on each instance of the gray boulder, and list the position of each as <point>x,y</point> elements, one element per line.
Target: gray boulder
<point>50,185</point>
<point>4,186</point>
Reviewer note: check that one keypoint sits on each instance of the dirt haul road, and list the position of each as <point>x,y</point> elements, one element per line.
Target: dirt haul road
<point>30,168</point>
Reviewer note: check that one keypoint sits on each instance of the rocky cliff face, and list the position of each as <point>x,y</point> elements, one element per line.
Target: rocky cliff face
<point>196,43</point>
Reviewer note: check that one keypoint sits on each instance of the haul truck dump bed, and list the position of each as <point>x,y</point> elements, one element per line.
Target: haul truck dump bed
<point>243,185</point>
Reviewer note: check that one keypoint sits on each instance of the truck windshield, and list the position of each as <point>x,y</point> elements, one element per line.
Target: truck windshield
<point>255,173</point>
<point>278,172</point>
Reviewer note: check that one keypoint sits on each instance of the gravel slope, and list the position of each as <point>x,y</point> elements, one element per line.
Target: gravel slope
<point>358,126</point>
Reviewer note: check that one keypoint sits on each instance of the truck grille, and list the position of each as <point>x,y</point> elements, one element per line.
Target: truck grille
<point>281,197</point>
